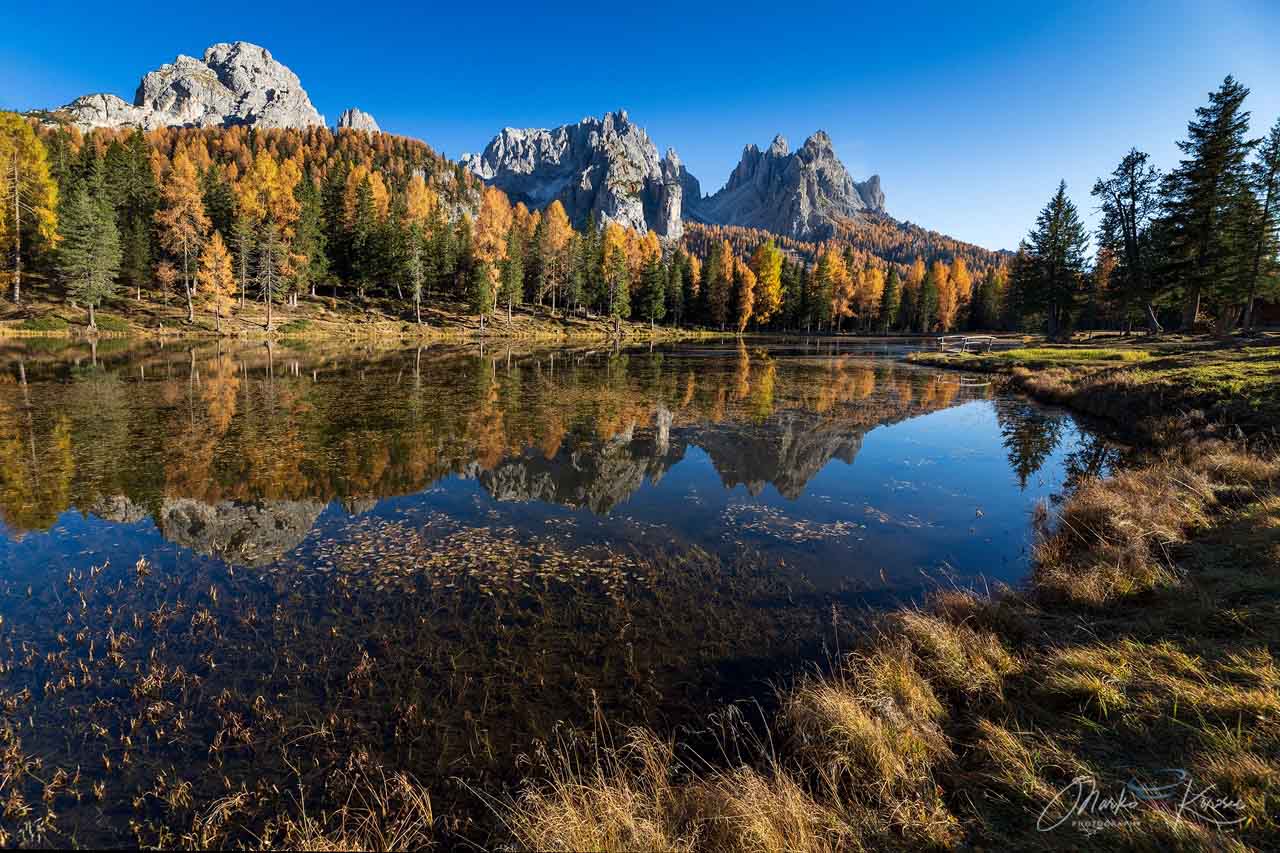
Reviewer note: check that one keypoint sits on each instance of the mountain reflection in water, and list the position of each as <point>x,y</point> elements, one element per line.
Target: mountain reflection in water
<point>237,452</point>
<point>432,559</point>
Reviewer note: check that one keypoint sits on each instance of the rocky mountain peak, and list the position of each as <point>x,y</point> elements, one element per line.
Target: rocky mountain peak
<point>801,194</point>
<point>357,119</point>
<point>604,166</point>
<point>234,83</point>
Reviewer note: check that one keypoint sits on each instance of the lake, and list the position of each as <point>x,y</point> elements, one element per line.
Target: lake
<point>436,557</point>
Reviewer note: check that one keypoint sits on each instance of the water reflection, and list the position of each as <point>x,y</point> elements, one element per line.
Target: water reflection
<point>433,557</point>
<point>238,451</point>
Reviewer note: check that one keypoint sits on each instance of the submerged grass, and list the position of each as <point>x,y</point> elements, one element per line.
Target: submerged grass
<point>1146,640</point>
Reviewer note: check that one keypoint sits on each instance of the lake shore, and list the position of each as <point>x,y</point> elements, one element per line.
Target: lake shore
<point>1145,640</point>
<point>322,317</point>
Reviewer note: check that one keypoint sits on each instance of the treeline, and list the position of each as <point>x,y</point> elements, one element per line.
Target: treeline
<point>222,216</point>
<point>1194,247</point>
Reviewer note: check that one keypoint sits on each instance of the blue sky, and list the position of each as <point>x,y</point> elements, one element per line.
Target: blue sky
<point>970,116</point>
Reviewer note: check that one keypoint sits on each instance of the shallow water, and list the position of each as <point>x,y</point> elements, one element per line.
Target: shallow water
<point>446,552</point>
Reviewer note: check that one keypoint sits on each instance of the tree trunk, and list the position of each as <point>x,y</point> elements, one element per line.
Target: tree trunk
<point>417,310</point>
<point>93,324</point>
<point>1191,309</point>
<point>1153,322</point>
<point>17,237</point>
<point>268,309</point>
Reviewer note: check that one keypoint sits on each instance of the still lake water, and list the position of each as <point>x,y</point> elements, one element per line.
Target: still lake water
<point>437,555</point>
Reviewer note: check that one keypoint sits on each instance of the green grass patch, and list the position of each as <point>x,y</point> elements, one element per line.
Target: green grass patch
<point>295,327</point>
<point>1052,356</point>
<point>107,323</point>
<point>47,323</point>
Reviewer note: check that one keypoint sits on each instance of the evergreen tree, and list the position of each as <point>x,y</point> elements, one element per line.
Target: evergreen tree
<point>1199,197</point>
<point>1263,270</point>
<point>890,301</point>
<point>654,297</point>
<point>927,304</point>
<point>675,286</point>
<point>617,280</point>
<point>272,267</point>
<point>362,238</point>
<point>481,291</point>
<point>1056,251</point>
<point>310,243</point>
<point>1129,201</point>
<point>89,253</point>
<point>511,285</point>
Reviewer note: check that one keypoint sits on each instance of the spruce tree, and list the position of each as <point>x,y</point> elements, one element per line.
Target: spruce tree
<point>1056,249</point>
<point>511,284</point>
<point>890,300</point>
<point>1128,202</point>
<point>653,281</point>
<point>1263,270</point>
<point>89,253</point>
<point>1199,196</point>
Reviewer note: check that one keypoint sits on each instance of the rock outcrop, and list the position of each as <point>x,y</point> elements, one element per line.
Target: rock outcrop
<point>237,83</point>
<point>603,166</point>
<point>357,119</point>
<point>247,534</point>
<point>801,194</point>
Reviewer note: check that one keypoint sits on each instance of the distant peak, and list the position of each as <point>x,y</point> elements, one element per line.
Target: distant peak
<point>819,140</point>
<point>779,147</point>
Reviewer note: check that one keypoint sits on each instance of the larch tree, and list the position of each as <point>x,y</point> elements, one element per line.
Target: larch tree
<point>217,282</point>
<point>89,253</point>
<point>766,263</point>
<point>30,195</point>
<point>744,287</point>
<point>182,221</point>
<point>718,279</point>
<point>553,252</point>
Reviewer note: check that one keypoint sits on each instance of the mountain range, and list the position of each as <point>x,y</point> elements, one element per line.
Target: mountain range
<point>607,168</point>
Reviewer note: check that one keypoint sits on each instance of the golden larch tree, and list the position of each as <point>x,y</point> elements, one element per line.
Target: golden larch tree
<point>217,284</point>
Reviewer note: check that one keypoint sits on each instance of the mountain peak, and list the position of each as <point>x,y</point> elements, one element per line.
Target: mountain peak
<point>802,194</point>
<point>607,167</point>
<point>234,83</point>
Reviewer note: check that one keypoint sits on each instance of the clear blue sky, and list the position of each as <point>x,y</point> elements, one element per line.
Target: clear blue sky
<point>969,116</point>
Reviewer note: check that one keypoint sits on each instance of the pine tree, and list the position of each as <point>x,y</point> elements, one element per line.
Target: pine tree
<point>1199,196</point>
<point>89,254</point>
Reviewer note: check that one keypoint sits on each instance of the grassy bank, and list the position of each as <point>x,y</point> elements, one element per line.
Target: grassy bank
<point>1146,642</point>
<point>42,315</point>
